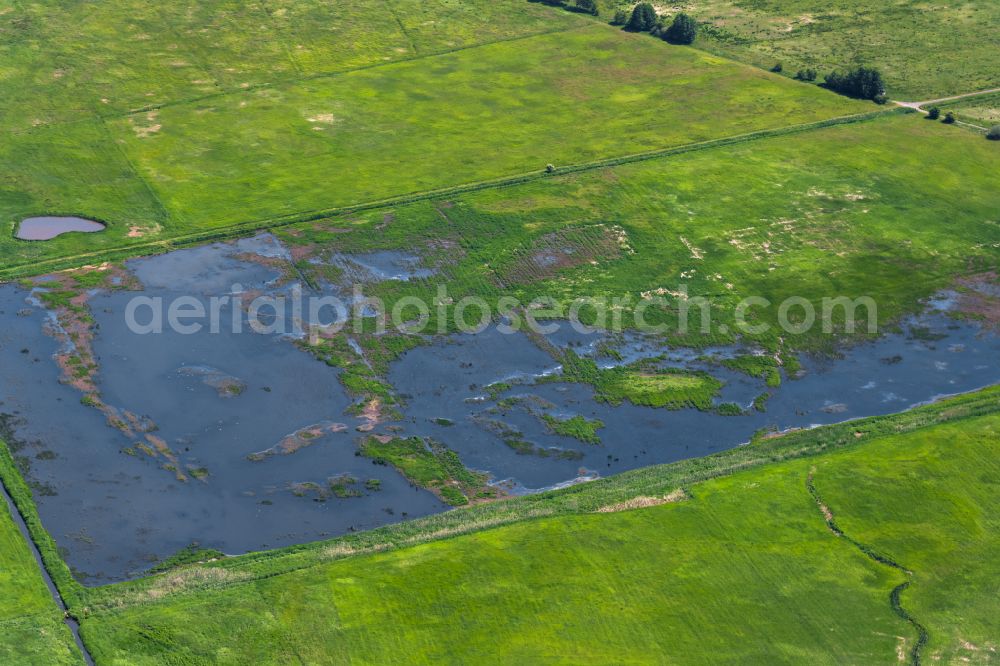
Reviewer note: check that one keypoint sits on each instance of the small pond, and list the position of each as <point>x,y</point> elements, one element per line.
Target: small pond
<point>48,227</point>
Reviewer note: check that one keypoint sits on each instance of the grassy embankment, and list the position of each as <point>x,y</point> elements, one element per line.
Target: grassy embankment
<point>741,566</point>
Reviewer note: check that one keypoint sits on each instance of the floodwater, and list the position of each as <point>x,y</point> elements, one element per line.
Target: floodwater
<point>48,227</point>
<point>115,513</point>
<point>232,407</point>
<point>446,381</point>
<point>378,266</point>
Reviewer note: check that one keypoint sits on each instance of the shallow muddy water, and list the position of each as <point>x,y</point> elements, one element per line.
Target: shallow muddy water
<point>48,227</point>
<point>237,435</point>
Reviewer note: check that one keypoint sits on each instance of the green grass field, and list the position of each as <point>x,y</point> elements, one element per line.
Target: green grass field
<point>926,51</point>
<point>850,210</point>
<point>71,60</point>
<point>742,569</point>
<point>31,626</point>
<point>498,110</point>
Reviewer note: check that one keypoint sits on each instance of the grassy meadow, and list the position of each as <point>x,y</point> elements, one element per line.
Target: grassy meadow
<point>929,501</point>
<point>850,210</point>
<point>685,580</point>
<point>72,60</point>
<point>925,51</point>
<point>494,111</point>
<point>498,110</point>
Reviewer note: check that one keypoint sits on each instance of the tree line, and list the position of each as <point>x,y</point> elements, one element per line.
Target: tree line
<point>682,30</point>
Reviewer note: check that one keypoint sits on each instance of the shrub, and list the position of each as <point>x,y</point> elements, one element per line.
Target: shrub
<point>880,98</point>
<point>934,113</point>
<point>777,68</point>
<point>588,6</point>
<point>949,118</point>
<point>643,18</point>
<point>682,31</point>
<point>994,133</point>
<point>863,83</point>
<point>550,168</point>
<point>620,18</point>
<point>806,75</point>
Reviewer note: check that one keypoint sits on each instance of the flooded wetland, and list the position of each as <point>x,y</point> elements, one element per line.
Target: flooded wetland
<point>138,445</point>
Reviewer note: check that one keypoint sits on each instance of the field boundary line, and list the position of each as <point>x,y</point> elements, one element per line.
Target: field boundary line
<point>284,42</point>
<point>402,28</point>
<point>245,228</point>
<point>135,171</point>
<point>880,558</point>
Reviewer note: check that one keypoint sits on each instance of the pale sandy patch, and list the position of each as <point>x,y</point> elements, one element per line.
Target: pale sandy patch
<point>643,501</point>
<point>696,253</point>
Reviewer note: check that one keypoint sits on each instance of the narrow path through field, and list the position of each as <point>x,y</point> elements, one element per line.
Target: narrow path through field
<point>871,553</point>
<point>74,627</point>
<point>919,106</point>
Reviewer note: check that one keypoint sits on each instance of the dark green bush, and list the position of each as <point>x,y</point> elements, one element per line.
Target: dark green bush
<point>682,31</point>
<point>643,18</point>
<point>863,83</point>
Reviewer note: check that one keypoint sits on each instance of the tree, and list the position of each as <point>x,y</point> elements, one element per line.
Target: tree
<point>777,68</point>
<point>863,83</point>
<point>806,75</point>
<point>682,31</point>
<point>643,18</point>
<point>949,118</point>
<point>620,18</point>
<point>994,133</point>
<point>588,6</point>
<point>934,113</point>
